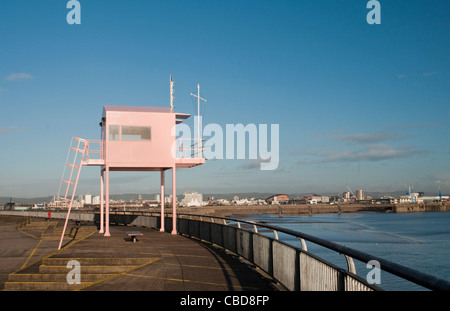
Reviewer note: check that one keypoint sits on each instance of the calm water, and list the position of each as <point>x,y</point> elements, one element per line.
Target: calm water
<point>420,241</point>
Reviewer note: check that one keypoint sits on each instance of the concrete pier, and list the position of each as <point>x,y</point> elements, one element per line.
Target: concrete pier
<point>158,261</point>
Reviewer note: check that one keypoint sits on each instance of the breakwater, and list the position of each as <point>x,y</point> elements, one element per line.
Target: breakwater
<point>304,209</point>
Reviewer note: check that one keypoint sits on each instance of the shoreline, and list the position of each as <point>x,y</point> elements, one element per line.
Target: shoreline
<point>292,210</point>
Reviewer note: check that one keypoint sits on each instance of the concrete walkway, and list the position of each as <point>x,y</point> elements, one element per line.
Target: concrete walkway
<point>158,261</point>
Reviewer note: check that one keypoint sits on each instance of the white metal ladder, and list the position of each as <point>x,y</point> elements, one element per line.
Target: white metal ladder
<point>71,173</point>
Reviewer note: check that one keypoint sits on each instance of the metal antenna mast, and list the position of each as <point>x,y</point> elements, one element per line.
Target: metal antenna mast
<point>172,91</point>
<point>198,114</point>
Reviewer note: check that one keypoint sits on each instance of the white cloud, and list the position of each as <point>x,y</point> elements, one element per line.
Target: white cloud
<point>5,130</point>
<point>254,164</point>
<point>370,147</point>
<point>367,138</point>
<point>18,76</point>
<point>428,74</point>
<point>373,153</point>
<point>424,74</point>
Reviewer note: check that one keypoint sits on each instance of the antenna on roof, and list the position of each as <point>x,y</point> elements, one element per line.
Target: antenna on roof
<point>172,91</point>
<point>198,113</point>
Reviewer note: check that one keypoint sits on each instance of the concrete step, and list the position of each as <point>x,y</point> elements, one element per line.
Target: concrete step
<point>52,233</point>
<point>43,224</point>
<point>43,286</point>
<point>86,269</point>
<point>56,277</point>
<point>53,272</point>
<point>36,226</point>
<point>101,261</point>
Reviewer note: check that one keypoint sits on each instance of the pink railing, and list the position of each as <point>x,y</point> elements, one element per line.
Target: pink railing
<point>189,148</point>
<point>95,150</point>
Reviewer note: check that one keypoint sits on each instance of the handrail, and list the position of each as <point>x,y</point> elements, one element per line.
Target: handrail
<point>91,151</point>
<point>417,277</point>
<point>191,149</point>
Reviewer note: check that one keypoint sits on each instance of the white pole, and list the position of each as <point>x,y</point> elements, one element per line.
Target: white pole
<point>199,136</point>
<point>171,94</point>
<point>198,114</point>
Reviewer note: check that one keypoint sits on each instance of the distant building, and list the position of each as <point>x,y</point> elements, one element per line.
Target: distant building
<point>313,199</point>
<point>434,198</point>
<point>223,202</point>
<point>391,199</point>
<point>359,195</point>
<point>88,199</point>
<point>278,199</point>
<point>10,206</point>
<point>410,198</point>
<point>96,199</point>
<point>192,198</point>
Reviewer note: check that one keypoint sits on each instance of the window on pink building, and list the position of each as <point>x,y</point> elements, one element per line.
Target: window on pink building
<point>114,132</point>
<point>136,133</point>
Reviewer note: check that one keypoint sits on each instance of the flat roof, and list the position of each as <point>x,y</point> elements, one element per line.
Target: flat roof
<point>179,116</point>
<point>136,109</point>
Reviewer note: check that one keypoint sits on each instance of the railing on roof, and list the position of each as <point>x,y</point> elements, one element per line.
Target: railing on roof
<point>188,148</point>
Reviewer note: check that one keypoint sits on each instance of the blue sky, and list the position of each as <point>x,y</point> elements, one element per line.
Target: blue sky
<point>360,105</point>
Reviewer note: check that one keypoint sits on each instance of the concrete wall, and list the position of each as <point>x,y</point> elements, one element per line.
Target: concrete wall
<point>285,265</point>
<point>55,215</point>
<point>262,252</point>
<point>419,208</point>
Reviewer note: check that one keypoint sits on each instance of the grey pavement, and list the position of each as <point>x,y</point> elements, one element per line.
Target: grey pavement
<point>158,261</point>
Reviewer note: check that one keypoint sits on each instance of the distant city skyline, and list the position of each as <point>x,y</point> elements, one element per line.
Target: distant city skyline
<point>357,104</point>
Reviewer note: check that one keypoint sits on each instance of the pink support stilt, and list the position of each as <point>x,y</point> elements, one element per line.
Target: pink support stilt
<point>162,201</point>
<point>107,201</point>
<point>102,219</point>
<point>174,202</point>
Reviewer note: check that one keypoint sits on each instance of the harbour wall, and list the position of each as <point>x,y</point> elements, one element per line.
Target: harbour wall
<point>304,209</point>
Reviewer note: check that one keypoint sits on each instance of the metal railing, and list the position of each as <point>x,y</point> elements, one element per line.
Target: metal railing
<point>188,148</point>
<point>406,273</point>
<point>95,149</point>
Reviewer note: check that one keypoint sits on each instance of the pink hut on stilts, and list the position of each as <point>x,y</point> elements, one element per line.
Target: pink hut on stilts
<point>132,139</point>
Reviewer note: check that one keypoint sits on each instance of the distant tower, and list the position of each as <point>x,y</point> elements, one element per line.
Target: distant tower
<point>359,194</point>
<point>172,91</point>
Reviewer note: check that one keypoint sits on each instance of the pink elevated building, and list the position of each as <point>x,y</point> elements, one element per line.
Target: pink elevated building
<point>133,139</point>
